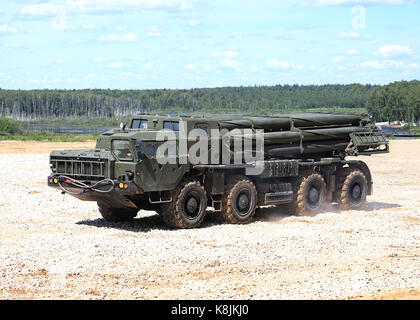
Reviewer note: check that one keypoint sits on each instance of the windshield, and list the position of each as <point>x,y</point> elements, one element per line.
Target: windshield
<point>139,124</point>
<point>121,149</point>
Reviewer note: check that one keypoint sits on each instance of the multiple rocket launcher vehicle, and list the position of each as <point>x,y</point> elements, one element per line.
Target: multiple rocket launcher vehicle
<point>304,166</point>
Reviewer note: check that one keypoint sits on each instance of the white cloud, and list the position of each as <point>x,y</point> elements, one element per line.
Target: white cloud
<point>348,35</point>
<point>148,65</point>
<point>336,3</point>
<point>413,65</point>
<point>338,59</point>
<point>117,65</point>
<point>352,52</point>
<point>276,64</point>
<point>4,28</point>
<point>121,28</point>
<point>2,74</point>
<point>115,37</point>
<point>100,6</point>
<point>393,63</point>
<point>127,74</point>
<point>388,64</point>
<point>155,32</point>
<point>190,66</point>
<point>58,12</point>
<point>393,50</point>
<point>99,59</point>
<point>255,69</point>
<point>230,54</point>
<point>90,76</point>
<point>60,19</point>
<point>373,64</point>
<point>229,63</point>
<point>60,61</point>
<point>225,54</point>
<point>89,26</point>
<point>194,22</point>
<point>41,9</point>
<point>183,48</point>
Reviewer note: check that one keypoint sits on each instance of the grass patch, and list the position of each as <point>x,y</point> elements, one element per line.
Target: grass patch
<point>13,130</point>
<point>9,126</point>
<point>78,122</point>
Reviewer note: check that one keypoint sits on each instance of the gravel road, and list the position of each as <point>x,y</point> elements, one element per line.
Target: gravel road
<point>55,246</point>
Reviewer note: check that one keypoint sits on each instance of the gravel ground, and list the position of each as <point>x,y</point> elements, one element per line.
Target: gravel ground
<point>55,246</point>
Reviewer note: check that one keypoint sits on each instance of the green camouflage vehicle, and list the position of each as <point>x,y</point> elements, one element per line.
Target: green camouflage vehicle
<point>299,161</point>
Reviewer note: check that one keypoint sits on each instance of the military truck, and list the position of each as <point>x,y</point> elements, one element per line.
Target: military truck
<point>303,163</point>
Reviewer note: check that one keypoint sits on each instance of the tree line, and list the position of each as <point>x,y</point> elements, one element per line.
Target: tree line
<point>40,104</point>
<point>398,101</point>
<point>385,103</point>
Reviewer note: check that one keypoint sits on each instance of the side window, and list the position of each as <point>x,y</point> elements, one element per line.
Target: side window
<point>135,124</point>
<point>202,130</point>
<point>139,124</point>
<point>171,125</point>
<point>151,150</point>
<point>175,126</point>
<point>143,124</point>
<point>121,149</point>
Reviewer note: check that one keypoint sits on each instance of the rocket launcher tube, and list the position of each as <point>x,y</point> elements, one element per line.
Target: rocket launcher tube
<point>279,137</point>
<point>300,121</point>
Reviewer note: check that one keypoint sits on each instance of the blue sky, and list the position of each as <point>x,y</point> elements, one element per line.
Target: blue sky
<point>140,44</point>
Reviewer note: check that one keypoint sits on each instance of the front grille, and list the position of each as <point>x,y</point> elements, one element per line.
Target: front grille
<point>80,168</point>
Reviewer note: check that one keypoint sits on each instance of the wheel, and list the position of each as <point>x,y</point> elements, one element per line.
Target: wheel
<point>310,196</point>
<point>188,206</point>
<point>117,214</point>
<point>239,201</point>
<point>353,191</point>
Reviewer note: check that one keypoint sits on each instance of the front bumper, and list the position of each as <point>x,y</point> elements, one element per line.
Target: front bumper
<point>116,194</point>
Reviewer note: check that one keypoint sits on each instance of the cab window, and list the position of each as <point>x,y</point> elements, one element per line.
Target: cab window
<point>139,124</point>
<point>171,125</point>
<point>121,149</point>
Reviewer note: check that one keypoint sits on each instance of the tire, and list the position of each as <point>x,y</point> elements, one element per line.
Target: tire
<point>310,196</point>
<point>187,208</point>
<point>239,200</point>
<point>117,214</point>
<point>353,192</point>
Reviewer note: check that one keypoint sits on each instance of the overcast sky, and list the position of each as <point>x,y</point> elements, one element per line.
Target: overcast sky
<point>138,44</point>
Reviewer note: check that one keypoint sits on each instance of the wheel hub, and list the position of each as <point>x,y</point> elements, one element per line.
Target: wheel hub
<point>192,205</point>
<point>356,191</point>
<point>313,195</point>
<point>243,202</point>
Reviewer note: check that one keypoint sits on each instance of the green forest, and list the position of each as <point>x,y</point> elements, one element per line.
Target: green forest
<point>396,101</point>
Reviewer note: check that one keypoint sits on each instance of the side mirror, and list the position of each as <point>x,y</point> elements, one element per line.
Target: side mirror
<point>122,126</point>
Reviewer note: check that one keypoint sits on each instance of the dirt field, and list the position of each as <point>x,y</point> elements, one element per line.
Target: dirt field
<point>55,246</point>
<point>17,147</point>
